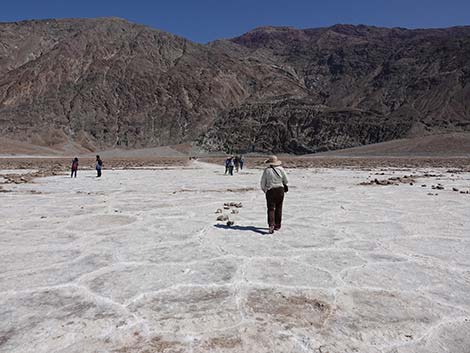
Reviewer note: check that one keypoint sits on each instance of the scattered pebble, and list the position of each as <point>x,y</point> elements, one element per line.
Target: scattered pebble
<point>406,179</point>
<point>228,206</point>
<point>233,204</point>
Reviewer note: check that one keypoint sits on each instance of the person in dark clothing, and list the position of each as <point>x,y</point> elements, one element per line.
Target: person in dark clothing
<point>229,165</point>
<point>274,201</point>
<point>99,166</point>
<point>273,183</point>
<point>236,162</point>
<point>74,167</point>
<point>242,161</point>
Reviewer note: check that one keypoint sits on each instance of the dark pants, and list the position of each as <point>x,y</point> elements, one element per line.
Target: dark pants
<point>274,200</point>
<point>230,169</point>
<point>98,170</point>
<point>74,173</point>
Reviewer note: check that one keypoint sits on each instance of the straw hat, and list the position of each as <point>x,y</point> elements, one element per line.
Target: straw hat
<point>273,161</point>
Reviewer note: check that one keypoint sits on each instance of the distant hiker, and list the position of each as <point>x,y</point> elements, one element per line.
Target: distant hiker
<point>74,167</point>
<point>229,165</point>
<point>274,184</point>
<point>242,161</point>
<point>99,166</point>
<point>236,163</point>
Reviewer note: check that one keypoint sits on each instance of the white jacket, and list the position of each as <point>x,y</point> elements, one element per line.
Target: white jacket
<point>271,180</point>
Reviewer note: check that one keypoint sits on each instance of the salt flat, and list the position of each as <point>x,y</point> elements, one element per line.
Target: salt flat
<point>136,262</point>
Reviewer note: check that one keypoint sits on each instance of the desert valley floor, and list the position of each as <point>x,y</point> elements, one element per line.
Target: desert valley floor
<point>136,262</point>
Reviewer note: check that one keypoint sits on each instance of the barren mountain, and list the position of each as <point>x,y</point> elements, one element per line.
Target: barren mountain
<point>455,144</point>
<point>110,83</point>
<point>107,82</point>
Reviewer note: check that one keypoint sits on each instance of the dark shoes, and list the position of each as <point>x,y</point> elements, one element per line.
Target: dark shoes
<point>273,228</point>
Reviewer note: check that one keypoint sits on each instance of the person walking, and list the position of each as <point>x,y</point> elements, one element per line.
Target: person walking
<point>99,166</point>
<point>236,162</point>
<point>229,165</point>
<point>74,167</point>
<point>242,161</point>
<point>274,185</point>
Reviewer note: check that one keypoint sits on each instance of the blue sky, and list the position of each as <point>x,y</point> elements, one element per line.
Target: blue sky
<point>205,20</point>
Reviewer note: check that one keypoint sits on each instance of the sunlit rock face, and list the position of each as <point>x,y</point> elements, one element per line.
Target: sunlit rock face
<point>136,262</point>
<point>107,82</point>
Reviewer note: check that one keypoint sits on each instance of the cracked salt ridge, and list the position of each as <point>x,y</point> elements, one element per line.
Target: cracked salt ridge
<point>132,267</point>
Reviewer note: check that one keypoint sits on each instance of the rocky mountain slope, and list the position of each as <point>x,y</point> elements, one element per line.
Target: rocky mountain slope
<point>362,85</point>
<point>110,83</point>
<point>456,144</point>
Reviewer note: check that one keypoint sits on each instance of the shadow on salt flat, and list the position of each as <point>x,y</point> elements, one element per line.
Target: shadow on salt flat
<point>254,229</point>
